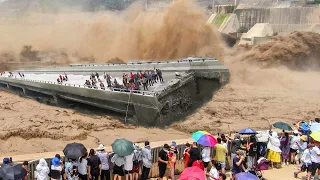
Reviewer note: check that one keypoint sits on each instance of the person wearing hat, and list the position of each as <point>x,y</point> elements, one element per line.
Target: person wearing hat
<point>237,164</point>
<point>274,153</point>
<point>294,145</point>
<point>306,162</point>
<point>56,169</point>
<point>104,158</point>
<point>302,144</point>
<point>6,160</point>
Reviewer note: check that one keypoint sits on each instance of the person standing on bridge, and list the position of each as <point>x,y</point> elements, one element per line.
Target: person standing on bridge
<point>65,75</point>
<point>159,72</point>
<point>145,85</point>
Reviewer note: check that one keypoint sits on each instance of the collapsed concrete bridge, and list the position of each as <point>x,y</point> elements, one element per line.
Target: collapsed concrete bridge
<point>198,79</point>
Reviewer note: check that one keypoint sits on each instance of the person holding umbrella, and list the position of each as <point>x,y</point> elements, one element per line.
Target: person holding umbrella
<point>12,172</point>
<point>195,154</point>
<point>72,169</point>
<point>118,162</point>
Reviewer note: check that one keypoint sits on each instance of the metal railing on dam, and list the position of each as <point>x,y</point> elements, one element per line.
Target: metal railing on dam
<point>184,65</point>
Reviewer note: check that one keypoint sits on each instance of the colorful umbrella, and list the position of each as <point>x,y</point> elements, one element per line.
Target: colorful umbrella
<point>248,131</point>
<point>315,127</point>
<point>315,136</point>
<point>283,126</point>
<point>122,147</point>
<point>246,176</point>
<point>204,138</point>
<point>192,173</point>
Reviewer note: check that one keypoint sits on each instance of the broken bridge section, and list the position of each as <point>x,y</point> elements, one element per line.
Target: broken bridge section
<point>188,83</point>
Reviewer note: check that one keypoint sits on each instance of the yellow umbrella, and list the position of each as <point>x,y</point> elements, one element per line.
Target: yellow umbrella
<point>315,136</point>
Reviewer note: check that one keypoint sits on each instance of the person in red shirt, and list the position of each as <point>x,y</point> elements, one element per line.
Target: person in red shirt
<point>131,77</point>
<point>102,86</point>
<point>186,155</point>
<point>199,164</point>
<point>172,161</point>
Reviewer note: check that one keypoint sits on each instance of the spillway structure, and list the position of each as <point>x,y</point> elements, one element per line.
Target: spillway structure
<point>188,83</point>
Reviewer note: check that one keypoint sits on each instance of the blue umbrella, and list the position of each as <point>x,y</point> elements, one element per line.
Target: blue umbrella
<point>248,131</point>
<point>246,176</point>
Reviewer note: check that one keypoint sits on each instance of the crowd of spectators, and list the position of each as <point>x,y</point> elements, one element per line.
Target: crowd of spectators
<point>62,78</point>
<point>130,82</point>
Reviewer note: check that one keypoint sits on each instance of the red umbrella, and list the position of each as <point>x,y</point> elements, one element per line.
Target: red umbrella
<point>192,173</point>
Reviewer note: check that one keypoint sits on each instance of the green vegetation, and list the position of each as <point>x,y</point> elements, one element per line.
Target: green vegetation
<point>220,19</point>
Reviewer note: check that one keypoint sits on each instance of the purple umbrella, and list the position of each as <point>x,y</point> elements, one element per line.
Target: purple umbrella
<point>246,176</point>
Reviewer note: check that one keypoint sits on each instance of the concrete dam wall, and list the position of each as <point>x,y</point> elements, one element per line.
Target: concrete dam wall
<point>291,15</point>
<point>196,82</point>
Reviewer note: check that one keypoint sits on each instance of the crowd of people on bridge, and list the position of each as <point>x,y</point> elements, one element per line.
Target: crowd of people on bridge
<point>62,78</point>
<point>130,82</point>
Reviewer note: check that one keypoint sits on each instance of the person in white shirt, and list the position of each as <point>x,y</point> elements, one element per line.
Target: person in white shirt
<point>128,166</point>
<point>213,174</point>
<point>302,144</point>
<point>206,156</point>
<point>294,145</point>
<point>83,167</point>
<point>315,158</point>
<point>306,162</point>
<point>42,170</point>
<point>146,160</point>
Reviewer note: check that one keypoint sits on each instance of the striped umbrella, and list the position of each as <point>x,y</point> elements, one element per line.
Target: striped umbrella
<point>204,138</point>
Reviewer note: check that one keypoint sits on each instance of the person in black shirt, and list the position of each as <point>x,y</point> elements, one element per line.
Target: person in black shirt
<point>194,154</point>
<point>94,164</point>
<point>163,161</point>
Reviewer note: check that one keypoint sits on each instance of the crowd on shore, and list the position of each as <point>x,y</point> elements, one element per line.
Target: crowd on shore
<point>132,81</point>
<point>259,152</point>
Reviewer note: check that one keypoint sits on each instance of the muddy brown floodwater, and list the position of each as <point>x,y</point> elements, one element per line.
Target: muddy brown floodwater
<point>277,81</point>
